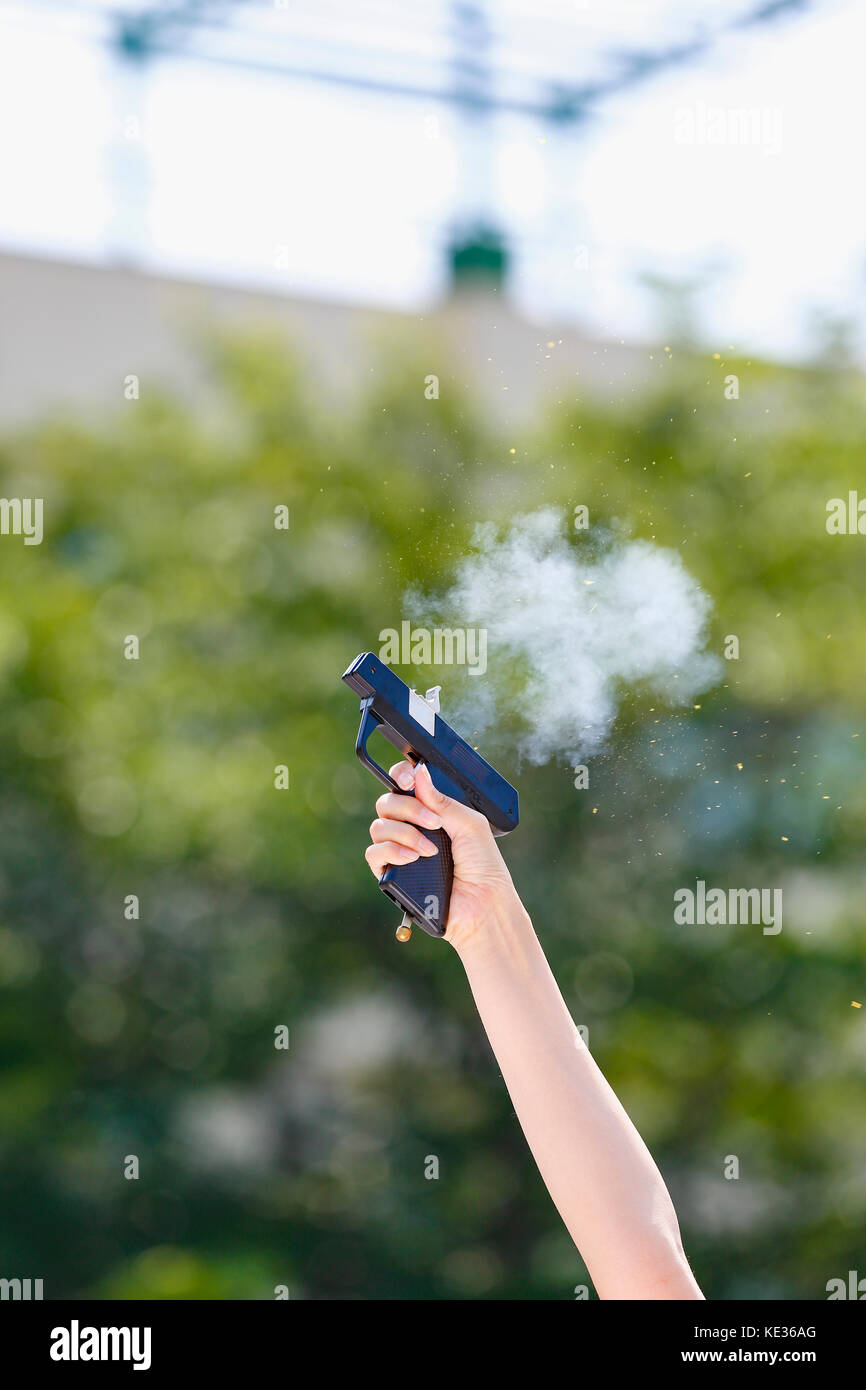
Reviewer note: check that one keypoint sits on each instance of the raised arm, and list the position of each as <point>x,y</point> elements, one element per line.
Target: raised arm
<point>594,1163</point>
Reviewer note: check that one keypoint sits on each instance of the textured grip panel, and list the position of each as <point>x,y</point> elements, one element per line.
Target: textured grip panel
<point>423,888</point>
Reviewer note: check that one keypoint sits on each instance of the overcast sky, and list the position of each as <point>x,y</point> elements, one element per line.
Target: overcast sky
<point>323,191</point>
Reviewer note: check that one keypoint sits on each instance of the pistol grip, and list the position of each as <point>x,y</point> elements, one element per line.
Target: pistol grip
<point>423,888</point>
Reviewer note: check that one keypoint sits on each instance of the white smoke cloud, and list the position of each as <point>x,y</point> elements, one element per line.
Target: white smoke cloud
<point>569,628</point>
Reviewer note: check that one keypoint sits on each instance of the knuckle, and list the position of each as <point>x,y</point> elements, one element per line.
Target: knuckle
<point>476,819</point>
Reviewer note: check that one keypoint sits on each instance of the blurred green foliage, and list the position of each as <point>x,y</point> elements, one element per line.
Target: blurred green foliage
<point>155,1037</point>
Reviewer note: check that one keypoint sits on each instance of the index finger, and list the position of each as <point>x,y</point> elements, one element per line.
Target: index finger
<point>403,774</point>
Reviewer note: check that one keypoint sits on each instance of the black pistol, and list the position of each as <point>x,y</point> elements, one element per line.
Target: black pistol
<point>412,723</point>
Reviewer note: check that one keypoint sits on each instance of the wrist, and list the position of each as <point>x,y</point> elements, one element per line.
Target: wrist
<point>502,929</point>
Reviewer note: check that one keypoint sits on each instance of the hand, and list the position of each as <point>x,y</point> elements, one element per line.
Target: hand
<point>482,883</point>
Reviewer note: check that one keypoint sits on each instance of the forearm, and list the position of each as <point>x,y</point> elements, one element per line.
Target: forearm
<point>594,1163</point>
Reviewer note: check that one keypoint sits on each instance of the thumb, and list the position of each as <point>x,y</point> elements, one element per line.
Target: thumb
<point>453,814</point>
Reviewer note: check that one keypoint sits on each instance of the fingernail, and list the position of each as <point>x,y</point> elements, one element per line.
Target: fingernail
<point>431,820</point>
<point>406,780</point>
<point>430,848</point>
